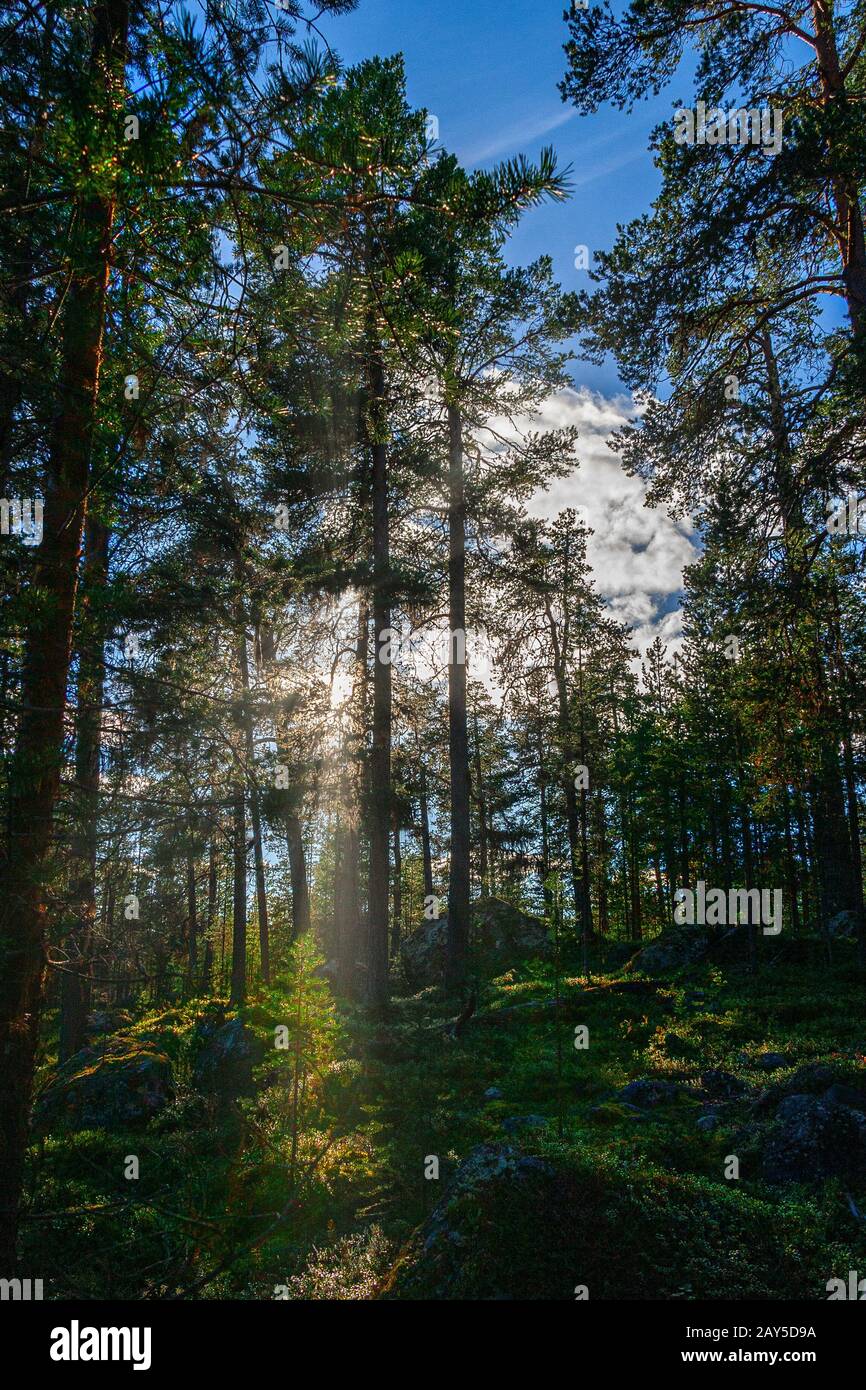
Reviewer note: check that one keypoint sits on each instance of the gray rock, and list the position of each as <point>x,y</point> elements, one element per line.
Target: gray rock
<point>812,1140</point>
<point>493,1093</point>
<point>120,1087</point>
<point>846,1095</point>
<point>227,1053</point>
<point>813,1078</point>
<point>606,1113</point>
<point>500,936</point>
<point>516,1122</point>
<point>844,924</point>
<point>108,1020</point>
<point>671,951</point>
<point>708,1122</point>
<point>485,1165</point>
<point>723,1085</point>
<point>648,1091</point>
<point>772,1061</point>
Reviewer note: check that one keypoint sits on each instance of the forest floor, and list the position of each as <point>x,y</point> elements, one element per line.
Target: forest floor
<point>314,1175</point>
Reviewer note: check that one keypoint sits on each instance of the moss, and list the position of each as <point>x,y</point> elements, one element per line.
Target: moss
<point>622,1232</point>
<point>632,1209</point>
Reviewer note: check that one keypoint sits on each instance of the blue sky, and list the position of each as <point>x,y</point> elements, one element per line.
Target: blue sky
<point>488,70</point>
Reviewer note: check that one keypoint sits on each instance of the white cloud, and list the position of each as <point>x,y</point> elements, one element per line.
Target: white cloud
<point>516,136</point>
<point>637,553</point>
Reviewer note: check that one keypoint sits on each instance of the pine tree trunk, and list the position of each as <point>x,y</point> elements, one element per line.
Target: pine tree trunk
<point>191,919</point>
<point>212,891</point>
<point>78,943</point>
<point>850,236</point>
<point>545,832</point>
<point>34,774</point>
<point>660,892</point>
<point>839,876</point>
<point>239,914</point>
<point>376,991</point>
<point>397,920</point>
<point>425,836</point>
<point>457,948</point>
<point>481,802</point>
<point>636,906</point>
<point>298,876</point>
<point>348,905</point>
<point>601,838</point>
<point>790,862</point>
<point>255,815</point>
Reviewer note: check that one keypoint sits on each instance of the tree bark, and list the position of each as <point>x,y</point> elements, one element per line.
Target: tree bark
<point>397,920</point>
<point>78,943</point>
<point>239,915</point>
<point>481,803</point>
<point>207,964</point>
<point>34,774</point>
<point>426,857</point>
<point>376,991</point>
<point>347,907</point>
<point>255,814</point>
<point>191,919</point>
<point>457,949</point>
<point>850,235</point>
<point>298,876</point>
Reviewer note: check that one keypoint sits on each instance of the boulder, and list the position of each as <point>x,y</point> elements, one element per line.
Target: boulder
<point>119,1087</point>
<point>513,1123</point>
<point>772,1061</point>
<point>839,1094</point>
<point>513,1227</point>
<point>648,1091</point>
<point>672,951</point>
<point>422,953</point>
<point>108,1021</point>
<point>813,1078</point>
<point>496,1174</point>
<point>500,936</point>
<point>812,1139</point>
<point>844,924</point>
<point>227,1053</point>
<point>723,1085</point>
<point>612,1112</point>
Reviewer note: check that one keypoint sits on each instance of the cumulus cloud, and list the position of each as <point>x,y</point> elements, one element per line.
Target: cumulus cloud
<point>637,552</point>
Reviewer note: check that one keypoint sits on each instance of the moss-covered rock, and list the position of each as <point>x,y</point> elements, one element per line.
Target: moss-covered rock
<point>811,1140</point>
<point>516,1227</point>
<point>227,1051</point>
<point>122,1086</point>
<point>672,951</point>
<point>501,936</point>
